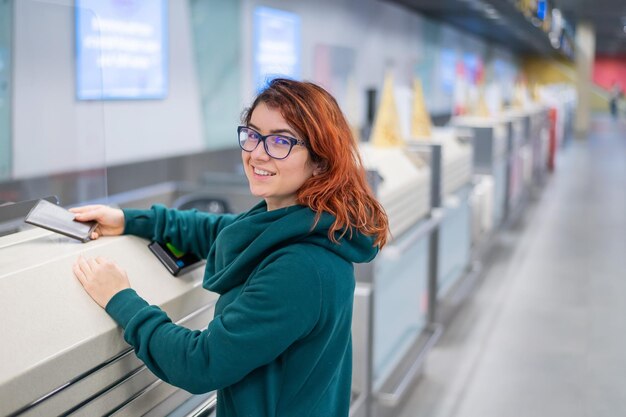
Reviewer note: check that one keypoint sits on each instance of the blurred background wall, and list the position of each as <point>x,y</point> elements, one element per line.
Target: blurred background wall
<point>346,45</point>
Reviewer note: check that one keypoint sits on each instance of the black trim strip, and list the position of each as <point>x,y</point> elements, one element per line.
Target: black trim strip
<point>70,382</point>
<point>103,391</point>
<point>133,397</point>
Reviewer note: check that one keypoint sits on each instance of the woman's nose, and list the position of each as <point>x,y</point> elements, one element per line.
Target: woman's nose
<point>259,152</point>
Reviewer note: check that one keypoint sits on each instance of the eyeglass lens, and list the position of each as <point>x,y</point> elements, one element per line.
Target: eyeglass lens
<point>276,146</point>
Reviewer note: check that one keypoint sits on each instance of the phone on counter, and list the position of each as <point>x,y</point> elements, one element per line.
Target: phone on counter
<point>173,259</point>
<point>57,219</point>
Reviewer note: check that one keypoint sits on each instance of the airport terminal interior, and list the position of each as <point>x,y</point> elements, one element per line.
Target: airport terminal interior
<point>492,132</point>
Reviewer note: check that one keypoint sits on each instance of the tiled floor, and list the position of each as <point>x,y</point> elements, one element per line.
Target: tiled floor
<point>544,332</point>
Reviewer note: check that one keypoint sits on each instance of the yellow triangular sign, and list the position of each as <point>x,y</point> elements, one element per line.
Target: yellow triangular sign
<point>519,101</point>
<point>421,124</point>
<point>536,93</point>
<point>482,109</point>
<point>386,131</point>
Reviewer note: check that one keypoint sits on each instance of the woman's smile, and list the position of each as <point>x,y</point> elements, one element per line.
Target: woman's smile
<point>258,172</point>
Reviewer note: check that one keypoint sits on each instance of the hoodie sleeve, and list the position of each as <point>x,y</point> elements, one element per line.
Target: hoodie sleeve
<point>280,304</point>
<point>188,230</point>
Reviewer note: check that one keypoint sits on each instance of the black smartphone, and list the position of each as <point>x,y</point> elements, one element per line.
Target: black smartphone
<point>52,217</point>
<point>174,260</point>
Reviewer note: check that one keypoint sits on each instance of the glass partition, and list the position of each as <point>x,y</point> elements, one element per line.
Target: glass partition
<point>217,55</point>
<point>6,18</point>
<point>400,311</point>
<point>52,143</point>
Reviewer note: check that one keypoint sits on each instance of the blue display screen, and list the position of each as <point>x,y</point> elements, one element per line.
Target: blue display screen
<point>121,49</point>
<point>448,69</point>
<point>473,68</point>
<point>276,45</point>
<point>541,9</point>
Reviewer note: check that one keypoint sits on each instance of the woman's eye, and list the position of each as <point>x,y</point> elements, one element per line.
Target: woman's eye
<point>281,141</point>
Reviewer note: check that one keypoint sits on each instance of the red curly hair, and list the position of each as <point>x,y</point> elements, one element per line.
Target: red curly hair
<point>341,189</point>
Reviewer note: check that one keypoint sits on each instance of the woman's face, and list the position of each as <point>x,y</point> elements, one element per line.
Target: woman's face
<point>276,180</point>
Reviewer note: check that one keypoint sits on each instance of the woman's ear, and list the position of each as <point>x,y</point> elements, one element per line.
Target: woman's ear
<point>320,168</point>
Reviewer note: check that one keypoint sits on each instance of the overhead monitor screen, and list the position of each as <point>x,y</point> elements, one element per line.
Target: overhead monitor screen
<point>473,68</point>
<point>447,69</point>
<point>541,9</point>
<point>276,45</point>
<point>121,49</point>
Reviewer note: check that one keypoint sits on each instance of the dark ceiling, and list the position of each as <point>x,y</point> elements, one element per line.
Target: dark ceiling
<point>608,18</point>
<point>499,21</point>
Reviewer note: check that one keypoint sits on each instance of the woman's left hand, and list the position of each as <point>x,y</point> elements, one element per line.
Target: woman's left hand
<point>101,278</point>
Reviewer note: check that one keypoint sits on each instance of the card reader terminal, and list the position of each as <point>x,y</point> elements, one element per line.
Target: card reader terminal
<point>173,259</point>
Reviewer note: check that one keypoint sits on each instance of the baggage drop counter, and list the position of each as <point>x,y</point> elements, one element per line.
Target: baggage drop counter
<point>527,156</point>
<point>400,332</point>
<point>62,354</point>
<point>491,136</point>
<point>453,189</point>
<point>540,142</point>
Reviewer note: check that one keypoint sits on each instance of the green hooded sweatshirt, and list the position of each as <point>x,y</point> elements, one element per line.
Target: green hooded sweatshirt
<point>279,344</point>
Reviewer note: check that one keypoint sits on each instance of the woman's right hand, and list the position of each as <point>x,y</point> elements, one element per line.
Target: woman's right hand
<point>110,220</point>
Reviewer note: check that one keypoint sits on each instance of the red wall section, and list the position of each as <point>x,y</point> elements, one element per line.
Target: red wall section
<point>609,69</point>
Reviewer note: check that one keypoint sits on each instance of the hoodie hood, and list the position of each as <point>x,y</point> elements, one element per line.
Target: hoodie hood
<point>242,246</point>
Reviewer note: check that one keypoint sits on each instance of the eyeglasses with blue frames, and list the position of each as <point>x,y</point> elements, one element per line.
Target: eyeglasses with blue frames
<point>276,146</point>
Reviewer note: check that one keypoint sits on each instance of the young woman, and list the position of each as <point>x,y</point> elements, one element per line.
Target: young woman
<point>279,343</point>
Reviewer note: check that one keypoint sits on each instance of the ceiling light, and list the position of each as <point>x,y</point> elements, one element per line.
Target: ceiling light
<point>554,40</point>
<point>490,12</point>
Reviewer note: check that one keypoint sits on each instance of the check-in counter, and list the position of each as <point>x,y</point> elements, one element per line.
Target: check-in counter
<point>490,139</point>
<point>540,134</point>
<point>457,153</point>
<point>569,113</point>
<point>399,277</point>
<point>62,354</point>
<point>454,242</point>
<point>528,154</point>
<point>481,202</point>
<point>560,100</point>
<point>404,187</point>
<point>518,158</point>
